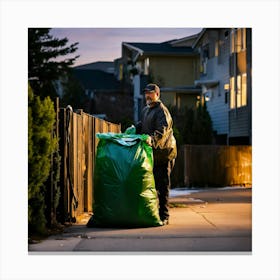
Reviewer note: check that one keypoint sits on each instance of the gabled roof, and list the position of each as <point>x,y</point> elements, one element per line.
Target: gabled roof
<point>159,48</point>
<point>96,79</point>
<point>187,41</point>
<point>98,65</point>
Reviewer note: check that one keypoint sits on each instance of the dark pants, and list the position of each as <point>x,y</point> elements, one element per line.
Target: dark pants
<point>162,180</point>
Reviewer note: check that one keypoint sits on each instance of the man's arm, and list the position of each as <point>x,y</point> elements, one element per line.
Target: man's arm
<point>162,129</point>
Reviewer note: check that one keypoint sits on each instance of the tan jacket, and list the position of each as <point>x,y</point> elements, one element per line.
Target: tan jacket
<point>157,122</point>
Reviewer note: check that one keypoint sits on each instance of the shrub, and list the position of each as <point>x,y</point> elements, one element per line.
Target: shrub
<point>41,145</point>
<point>194,125</point>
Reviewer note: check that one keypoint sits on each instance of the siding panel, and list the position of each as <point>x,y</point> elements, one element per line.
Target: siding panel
<point>218,69</point>
<point>239,123</point>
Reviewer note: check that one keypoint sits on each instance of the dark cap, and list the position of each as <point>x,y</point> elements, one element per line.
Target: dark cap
<point>152,88</point>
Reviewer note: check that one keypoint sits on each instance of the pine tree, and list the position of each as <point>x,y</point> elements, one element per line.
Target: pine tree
<point>44,69</point>
<point>202,126</point>
<point>43,65</point>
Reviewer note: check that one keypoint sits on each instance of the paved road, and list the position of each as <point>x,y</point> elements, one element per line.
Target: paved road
<point>215,220</point>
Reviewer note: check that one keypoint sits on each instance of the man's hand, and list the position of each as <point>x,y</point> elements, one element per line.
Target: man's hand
<point>149,141</point>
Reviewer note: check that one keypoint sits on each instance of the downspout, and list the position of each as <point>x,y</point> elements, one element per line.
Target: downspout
<point>136,90</point>
<point>249,78</point>
<point>136,96</point>
<point>235,71</point>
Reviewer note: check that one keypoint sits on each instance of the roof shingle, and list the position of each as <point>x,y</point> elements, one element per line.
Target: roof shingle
<point>161,48</point>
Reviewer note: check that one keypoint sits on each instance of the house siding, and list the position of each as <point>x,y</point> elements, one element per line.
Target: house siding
<point>239,123</point>
<point>174,71</point>
<point>217,107</point>
<point>218,69</point>
<point>240,119</point>
<point>168,98</point>
<point>180,100</point>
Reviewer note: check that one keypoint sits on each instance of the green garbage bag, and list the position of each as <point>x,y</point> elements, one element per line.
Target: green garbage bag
<point>124,186</point>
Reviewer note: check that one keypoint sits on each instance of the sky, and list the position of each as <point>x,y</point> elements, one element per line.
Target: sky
<point>104,44</point>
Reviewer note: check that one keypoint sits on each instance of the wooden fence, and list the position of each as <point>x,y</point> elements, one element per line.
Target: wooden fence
<point>196,165</point>
<point>77,143</point>
<point>211,165</point>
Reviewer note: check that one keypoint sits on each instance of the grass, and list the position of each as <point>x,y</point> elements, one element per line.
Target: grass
<point>177,205</point>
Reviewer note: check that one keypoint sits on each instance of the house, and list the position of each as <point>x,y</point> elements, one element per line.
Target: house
<point>105,66</point>
<point>104,91</point>
<point>173,65</point>
<point>225,79</point>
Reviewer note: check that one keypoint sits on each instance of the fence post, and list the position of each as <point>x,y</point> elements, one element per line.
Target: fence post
<point>185,162</point>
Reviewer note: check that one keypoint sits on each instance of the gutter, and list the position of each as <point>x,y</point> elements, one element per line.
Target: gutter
<point>181,89</point>
<point>207,83</point>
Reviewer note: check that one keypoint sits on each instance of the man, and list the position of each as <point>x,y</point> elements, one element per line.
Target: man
<point>156,121</point>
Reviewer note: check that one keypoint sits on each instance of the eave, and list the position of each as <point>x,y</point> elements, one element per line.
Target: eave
<point>206,83</point>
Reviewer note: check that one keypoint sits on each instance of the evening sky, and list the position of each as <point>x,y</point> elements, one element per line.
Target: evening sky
<point>104,44</point>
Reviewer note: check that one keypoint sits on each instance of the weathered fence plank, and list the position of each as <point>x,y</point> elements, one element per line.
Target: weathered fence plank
<point>78,146</point>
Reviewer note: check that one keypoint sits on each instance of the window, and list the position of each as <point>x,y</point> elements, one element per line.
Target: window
<point>226,97</point>
<point>238,91</point>
<point>120,72</point>
<point>146,66</point>
<point>204,58</point>
<point>238,40</point>
<point>220,51</point>
<point>244,90</point>
<point>217,46</point>
<point>232,93</point>
<point>238,97</point>
<point>226,89</point>
<point>222,45</point>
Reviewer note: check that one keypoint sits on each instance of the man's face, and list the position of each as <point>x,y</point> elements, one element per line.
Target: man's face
<point>151,96</point>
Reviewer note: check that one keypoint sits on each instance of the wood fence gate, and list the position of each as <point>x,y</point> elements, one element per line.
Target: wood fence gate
<point>77,144</point>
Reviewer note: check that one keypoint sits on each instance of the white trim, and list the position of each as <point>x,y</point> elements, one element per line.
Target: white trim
<point>202,32</point>
<point>133,48</point>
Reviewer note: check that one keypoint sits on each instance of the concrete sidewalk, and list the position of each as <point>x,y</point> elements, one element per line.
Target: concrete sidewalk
<point>213,220</point>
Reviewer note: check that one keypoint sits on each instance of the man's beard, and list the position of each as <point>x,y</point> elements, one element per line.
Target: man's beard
<point>149,101</point>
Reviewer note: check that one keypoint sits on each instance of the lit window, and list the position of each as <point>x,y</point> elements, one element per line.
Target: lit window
<point>232,41</point>
<point>232,93</point>
<point>217,48</point>
<point>238,40</point>
<point>120,72</point>
<point>238,98</point>
<point>244,90</point>
<point>146,66</point>
<point>238,93</point>
<point>243,38</point>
